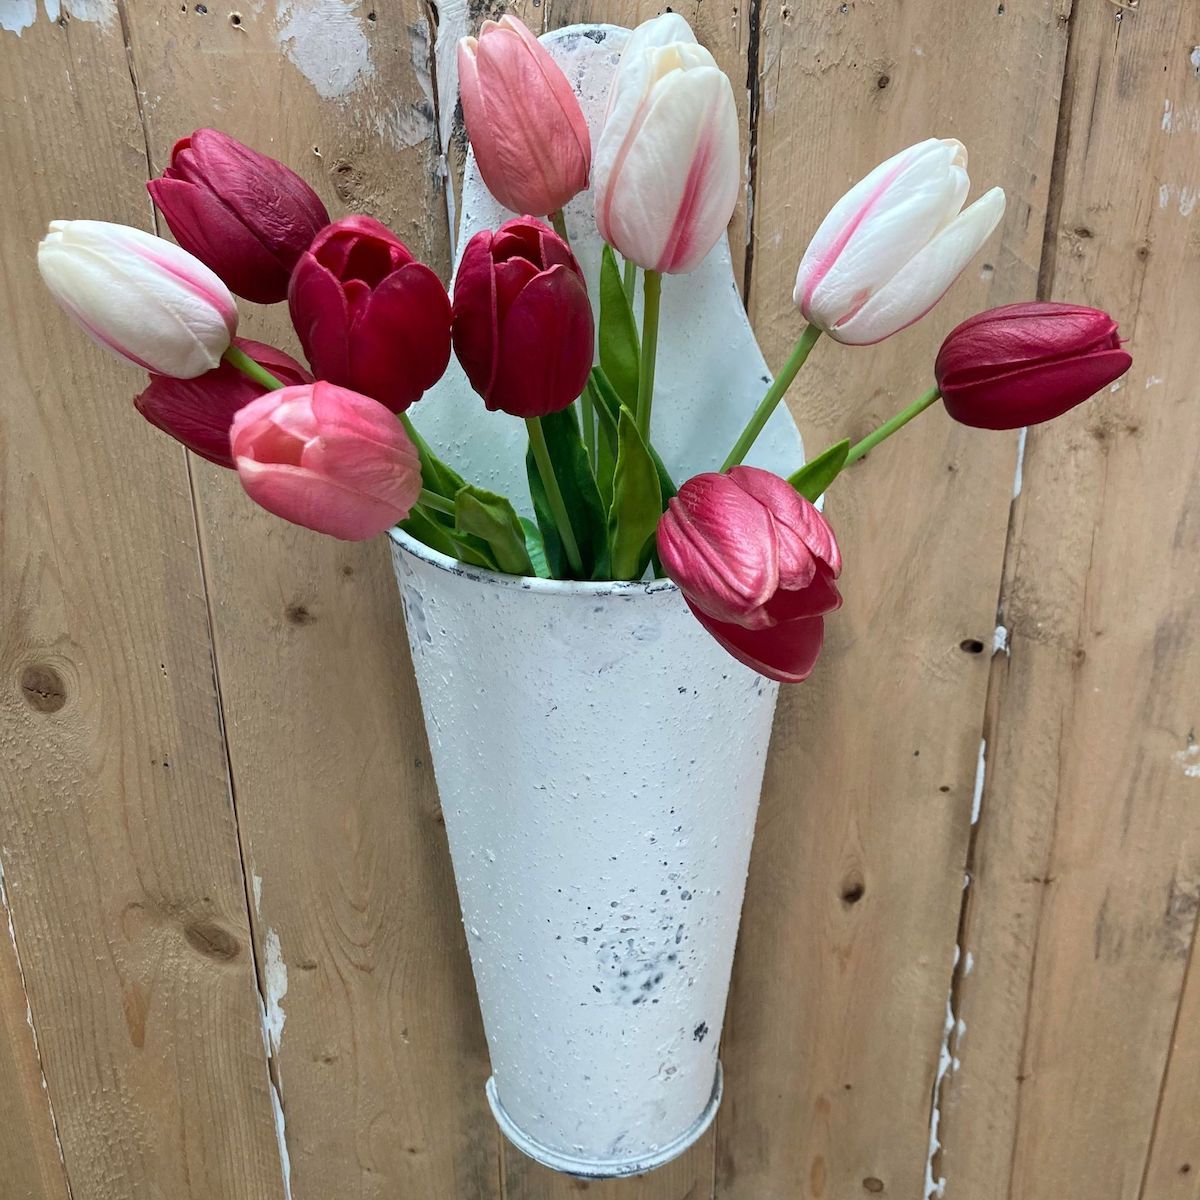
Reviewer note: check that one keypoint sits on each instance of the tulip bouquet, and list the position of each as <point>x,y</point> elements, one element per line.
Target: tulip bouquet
<point>334,446</point>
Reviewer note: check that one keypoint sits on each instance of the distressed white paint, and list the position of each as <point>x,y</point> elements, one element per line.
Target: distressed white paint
<point>453,23</point>
<point>1185,197</point>
<point>935,1187</point>
<point>1019,471</point>
<point>969,964</point>
<point>1194,59</point>
<point>325,41</point>
<point>1189,760</point>
<point>980,773</point>
<point>275,986</point>
<point>1153,381</point>
<point>1000,640</point>
<point>1180,119</point>
<point>18,15</point>
<point>285,1160</point>
<point>256,884</point>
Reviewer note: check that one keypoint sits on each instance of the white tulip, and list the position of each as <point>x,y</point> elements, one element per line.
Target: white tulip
<point>667,169</point>
<point>891,247</point>
<point>139,296</point>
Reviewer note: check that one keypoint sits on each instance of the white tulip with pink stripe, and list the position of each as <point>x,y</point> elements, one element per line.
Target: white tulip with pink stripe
<point>891,246</point>
<point>139,296</point>
<point>666,169</point>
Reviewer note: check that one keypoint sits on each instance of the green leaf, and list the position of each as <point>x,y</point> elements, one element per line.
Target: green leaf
<point>581,497</point>
<point>814,477</point>
<point>535,548</point>
<point>608,406</point>
<point>421,525</point>
<point>435,475</point>
<point>493,519</point>
<point>637,503</point>
<point>619,349</point>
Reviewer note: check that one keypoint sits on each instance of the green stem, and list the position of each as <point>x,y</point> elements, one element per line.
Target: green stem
<point>652,296</point>
<point>629,279</point>
<point>588,413</point>
<point>775,393</point>
<point>560,224</point>
<point>541,455</point>
<point>248,367</point>
<point>440,503</point>
<point>886,430</point>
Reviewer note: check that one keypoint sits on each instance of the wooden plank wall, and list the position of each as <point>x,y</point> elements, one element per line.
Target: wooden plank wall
<point>236,969</point>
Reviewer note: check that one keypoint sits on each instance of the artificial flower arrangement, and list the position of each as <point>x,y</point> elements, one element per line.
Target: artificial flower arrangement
<point>334,447</point>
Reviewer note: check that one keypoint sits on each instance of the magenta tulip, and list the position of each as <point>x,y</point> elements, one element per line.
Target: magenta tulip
<point>326,458</point>
<point>522,321</point>
<point>528,132</point>
<point>198,412</point>
<point>1022,364</point>
<point>757,565</point>
<point>246,216</point>
<point>369,316</point>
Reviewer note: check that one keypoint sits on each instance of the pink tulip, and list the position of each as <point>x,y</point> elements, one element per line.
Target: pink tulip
<point>198,412</point>
<point>522,320</point>
<point>756,563</point>
<point>326,458</point>
<point>528,132</point>
<point>1026,363</point>
<point>245,215</point>
<point>369,316</point>
<point>144,298</point>
<point>668,170</point>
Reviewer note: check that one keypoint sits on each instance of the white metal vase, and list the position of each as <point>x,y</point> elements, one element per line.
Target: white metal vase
<point>598,756</point>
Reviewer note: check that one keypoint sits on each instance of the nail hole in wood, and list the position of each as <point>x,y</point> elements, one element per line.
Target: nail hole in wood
<point>971,646</point>
<point>883,81</point>
<point>871,1184</point>
<point>853,890</point>
<point>235,19</point>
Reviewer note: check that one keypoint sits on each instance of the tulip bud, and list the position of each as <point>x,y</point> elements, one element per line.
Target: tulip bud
<point>891,246</point>
<point>522,321</point>
<point>1022,364</point>
<point>139,296</point>
<point>198,412</point>
<point>756,563</point>
<point>326,458</point>
<point>667,170</point>
<point>369,316</point>
<point>531,142</point>
<point>245,215</point>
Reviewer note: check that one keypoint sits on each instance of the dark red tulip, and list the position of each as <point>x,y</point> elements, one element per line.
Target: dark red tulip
<point>369,316</point>
<point>522,321</point>
<point>757,565</point>
<point>1026,363</point>
<point>198,412</point>
<point>244,215</point>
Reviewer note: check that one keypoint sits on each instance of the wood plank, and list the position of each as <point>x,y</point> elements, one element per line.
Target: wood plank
<point>119,845</point>
<point>33,1166</point>
<point>848,936</point>
<point>1088,859</point>
<point>380,1060</point>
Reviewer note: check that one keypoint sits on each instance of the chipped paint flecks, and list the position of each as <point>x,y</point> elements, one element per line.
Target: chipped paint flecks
<point>18,15</point>
<point>325,41</point>
<point>1189,760</point>
<point>275,986</point>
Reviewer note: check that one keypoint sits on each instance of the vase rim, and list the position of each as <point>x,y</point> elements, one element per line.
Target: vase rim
<point>527,583</point>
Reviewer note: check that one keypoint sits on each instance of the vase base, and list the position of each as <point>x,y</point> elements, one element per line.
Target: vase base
<point>611,1168</point>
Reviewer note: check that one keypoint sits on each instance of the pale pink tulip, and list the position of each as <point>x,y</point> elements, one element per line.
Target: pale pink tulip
<point>891,246</point>
<point>667,169</point>
<point>139,296</point>
<point>528,132</point>
<point>329,459</point>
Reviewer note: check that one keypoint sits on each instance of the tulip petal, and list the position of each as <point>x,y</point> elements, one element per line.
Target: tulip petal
<point>816,598</point>
<point>794,514</point>
<point>877,227</point>
<point>318,309</point>
<point>925,278</point>
<point>546,347</point>
<point>786,652</point>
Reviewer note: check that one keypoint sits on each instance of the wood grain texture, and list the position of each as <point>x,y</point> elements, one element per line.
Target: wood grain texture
<point>1087,863</point>
<point>848,933</point>
<point>380,1059</point>
<point>118,840</point>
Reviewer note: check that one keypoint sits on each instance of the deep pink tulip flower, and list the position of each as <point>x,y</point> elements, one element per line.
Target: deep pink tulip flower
<point>369,316</point>
<point>522,320</point>
<point>1022,364</point>
<point>326,458</point>
<point>757,565</point>
<point>245,215</point>
<point>198,412</point>
<point>528,132</point>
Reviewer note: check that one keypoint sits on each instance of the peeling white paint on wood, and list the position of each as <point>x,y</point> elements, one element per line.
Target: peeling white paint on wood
<point>275,986</point>
<point>256,885</point>
<point>1189,760</point>
<point>325,41</point>
<point>18,15</point>
<point>1000,640</point>
<point>1019,472</point>
<point>980,773</point>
